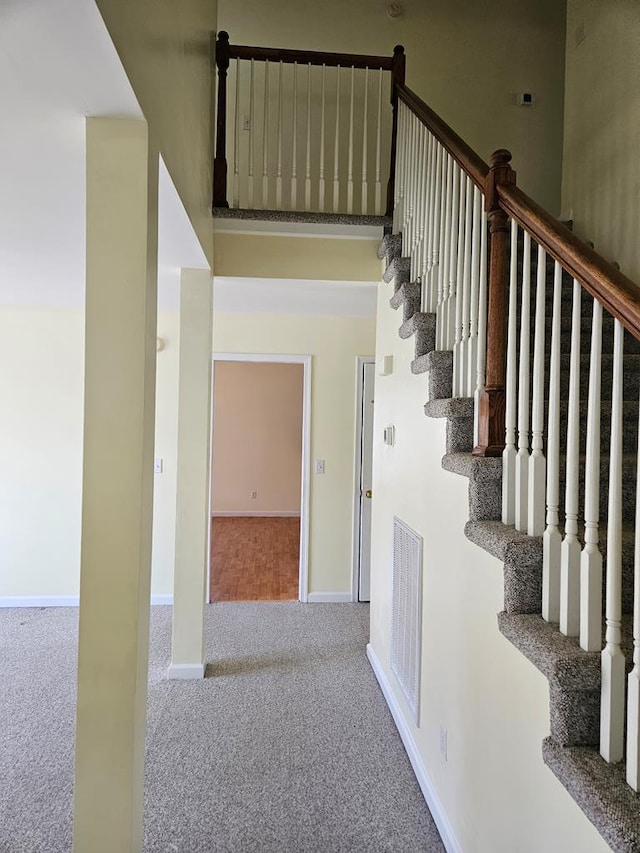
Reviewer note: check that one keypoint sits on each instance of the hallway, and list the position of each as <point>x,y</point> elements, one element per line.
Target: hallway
<point>287,745</point>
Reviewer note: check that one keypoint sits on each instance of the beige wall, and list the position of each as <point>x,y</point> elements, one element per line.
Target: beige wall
<point>601,178</point>
<point>41,386</point>
<point>257,437</point>
<point>495,790</point>
<point>269,256</point>
<point>165,48</point>
<point>467,59</point>
<point>41,451</point>
<point>334,343</point>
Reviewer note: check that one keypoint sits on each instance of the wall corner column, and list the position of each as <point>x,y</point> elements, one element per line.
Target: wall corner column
<point>117,500</point>
<point>193,520</point>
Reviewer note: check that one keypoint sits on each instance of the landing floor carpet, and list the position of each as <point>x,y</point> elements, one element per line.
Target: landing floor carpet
<point>287,745</point>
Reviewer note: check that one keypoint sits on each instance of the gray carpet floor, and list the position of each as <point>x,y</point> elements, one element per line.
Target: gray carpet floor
<point>286,745</point>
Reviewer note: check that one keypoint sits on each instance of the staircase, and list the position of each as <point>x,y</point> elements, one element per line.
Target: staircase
<point>572,749</point>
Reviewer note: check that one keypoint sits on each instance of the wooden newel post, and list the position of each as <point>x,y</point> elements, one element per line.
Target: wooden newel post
<point>492,401</point>
<point>220,160</point>
<point>397,79</point>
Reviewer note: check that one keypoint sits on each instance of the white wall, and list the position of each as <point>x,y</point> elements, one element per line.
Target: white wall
<point>494,788</point>
<point>601,170</point>
<point>257,437</point>
<point>334,343</point>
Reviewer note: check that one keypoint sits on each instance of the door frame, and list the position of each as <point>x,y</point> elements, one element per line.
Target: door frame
<point>305,479</point>
<point>361,360</point>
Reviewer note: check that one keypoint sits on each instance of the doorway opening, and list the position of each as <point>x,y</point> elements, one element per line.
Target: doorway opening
<point>259,477</point>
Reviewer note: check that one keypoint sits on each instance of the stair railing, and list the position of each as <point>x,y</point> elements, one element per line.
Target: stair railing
<point>308,130</point>
<point>499,297</point>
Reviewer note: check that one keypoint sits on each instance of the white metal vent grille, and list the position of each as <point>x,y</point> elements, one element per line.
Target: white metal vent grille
<point>405,618</point>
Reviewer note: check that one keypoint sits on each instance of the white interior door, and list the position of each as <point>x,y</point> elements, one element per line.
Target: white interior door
<point>366,459</point>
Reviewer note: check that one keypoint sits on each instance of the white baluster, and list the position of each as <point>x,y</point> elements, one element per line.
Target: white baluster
<point>350,169</point>
<point>434,268</point>
<point>321,181</point>
<point>407,229</point>
<point>336,147</point>
<point>236,142</point>
<point>522,458</point>
<point>265,140</point>
<point>633,682</point>
<point>398,187</point>
<point>551,540</point>
<point>466,287</point>
<point>456,307</point>
<point>365,131</point>
<point>453,258</point>
<point>252,86</point>
<point>509,452</point>
<point>537,462</point>
<point>423,203</point>
<point>613,662</point>
<point>482,327</point>
<point>570,549</point>
<point>591,558</point>
<point>445,256</point>
<point>418,231</point>
<point>428,222</point>
<point>294,150</point>
<point>307,180</point>
<point>378,207</point>
<point>472,347</point>
<point>279,169</point>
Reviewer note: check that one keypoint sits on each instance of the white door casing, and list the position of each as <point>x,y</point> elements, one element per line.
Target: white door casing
<point>363,496</point>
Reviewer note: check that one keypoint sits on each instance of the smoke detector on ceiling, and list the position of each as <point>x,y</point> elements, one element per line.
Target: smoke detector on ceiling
<point>394,10</point>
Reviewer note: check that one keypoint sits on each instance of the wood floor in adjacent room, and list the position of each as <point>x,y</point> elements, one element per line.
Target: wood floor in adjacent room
<point>254,559</point>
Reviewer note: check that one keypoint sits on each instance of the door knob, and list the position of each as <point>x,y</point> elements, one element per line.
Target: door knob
<point>368,493</point>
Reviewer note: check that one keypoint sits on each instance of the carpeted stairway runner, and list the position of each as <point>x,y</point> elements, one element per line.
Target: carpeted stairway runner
<point>287,745</point>
<point>572,750</point>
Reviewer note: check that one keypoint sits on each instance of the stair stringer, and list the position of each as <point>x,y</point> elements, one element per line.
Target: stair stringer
<point>571,750</point>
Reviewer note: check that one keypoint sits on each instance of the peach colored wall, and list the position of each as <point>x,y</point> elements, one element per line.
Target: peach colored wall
<point>257,436</point>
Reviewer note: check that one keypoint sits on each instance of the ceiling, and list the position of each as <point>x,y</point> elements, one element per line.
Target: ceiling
<point>58,65</point>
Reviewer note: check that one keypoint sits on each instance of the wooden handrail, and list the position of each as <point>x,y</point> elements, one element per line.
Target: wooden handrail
<point>310,57</point>
<point>463,154</point>
<point>619,295</point>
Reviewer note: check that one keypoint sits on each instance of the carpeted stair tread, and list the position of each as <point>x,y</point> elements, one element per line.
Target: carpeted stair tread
<point>476,468</point>
<point>438,364</point>
<point>503,541</point>
<point>398,270</point>
<point>451,407</point>
<point>557,657</point>
<point>390,247</point>
<point>407,292</point>
<point>421,321</point>
<point>601,791</point>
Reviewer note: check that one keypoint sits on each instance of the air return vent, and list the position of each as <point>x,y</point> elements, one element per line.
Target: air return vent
<point>406,622</point>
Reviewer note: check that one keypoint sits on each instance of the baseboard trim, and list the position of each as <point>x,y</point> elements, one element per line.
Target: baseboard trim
<point>39,600</point>
<point>329,597</point>
<point>60,600</point>
<point>267,513</point>
<point>426,785</point>
<point>185,671</point>
<point>162,599</point>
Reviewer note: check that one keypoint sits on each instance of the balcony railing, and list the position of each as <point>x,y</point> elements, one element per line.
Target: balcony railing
<point>305,130</point>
